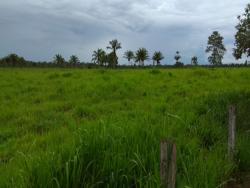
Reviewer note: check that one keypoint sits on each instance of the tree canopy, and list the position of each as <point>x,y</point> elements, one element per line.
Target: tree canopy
<point>129,55</point>
<point>99,56</point>
<point>157,57</point>
<point>58,59</point>
<point>141,56</point>
<point>194,60</point>
<point>74,60</point>
<point>177,58</point>
<point>13,60</point>
<point>114,45</point>
<point>242,37</point>
<point>216,47</point>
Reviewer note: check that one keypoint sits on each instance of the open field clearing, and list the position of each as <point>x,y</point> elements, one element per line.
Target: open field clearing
<point>102,128</point>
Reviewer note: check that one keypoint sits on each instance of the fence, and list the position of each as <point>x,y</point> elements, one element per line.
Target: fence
<point>168,154</point>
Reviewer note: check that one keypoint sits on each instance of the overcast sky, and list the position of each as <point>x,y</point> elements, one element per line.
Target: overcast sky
<point>39,29</point>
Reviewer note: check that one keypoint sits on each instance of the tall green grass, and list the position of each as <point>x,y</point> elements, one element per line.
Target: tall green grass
<point>102,128</point>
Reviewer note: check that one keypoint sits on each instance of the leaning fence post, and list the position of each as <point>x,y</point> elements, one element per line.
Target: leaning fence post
<point>231,131</point>
<point>168,164</point>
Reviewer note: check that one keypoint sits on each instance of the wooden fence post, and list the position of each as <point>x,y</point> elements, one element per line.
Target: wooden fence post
<point>168,164</point>
<point>231,131</point>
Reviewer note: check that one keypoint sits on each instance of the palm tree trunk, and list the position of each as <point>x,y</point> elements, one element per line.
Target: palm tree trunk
<point>115,58</point>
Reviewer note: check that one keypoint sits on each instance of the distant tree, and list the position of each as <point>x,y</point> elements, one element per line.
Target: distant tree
<point>58,59</point>
<point>157,57</point>
<point>104,59</point>
<point>129,55</point>
<point>141,56</point>
<point>242,37</point>
<point>114,46</point>
<point>99,57</point>
<point>177,58</point>
<point>216,47</point>
<point>74,60</point>
<point>194,61</point>
<point>110,59</point>
<point>13,60</point>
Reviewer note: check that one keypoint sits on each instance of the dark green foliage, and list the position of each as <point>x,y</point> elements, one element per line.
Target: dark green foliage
<point>157,57</point>
<point>216,47</point>
<point>99,57</point>
<point>141,55</point>
<point>13,60</point>
<point>242,37</point>
<point>59,60</point>
<point>53,76</point>
<point>129,55</point>
<point>114,45</point>
<point>85,113</point>
<point>74,60</point>
<point>67,74</point>
<point>194,61</point>
<point>110,59</point>
<point>155,71</point>
<point>177,58</point>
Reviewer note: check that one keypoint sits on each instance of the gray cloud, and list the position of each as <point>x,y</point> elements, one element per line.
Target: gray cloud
<point>39,29</point>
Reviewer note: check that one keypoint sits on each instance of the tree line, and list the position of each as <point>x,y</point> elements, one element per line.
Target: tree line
<point>215,49</point>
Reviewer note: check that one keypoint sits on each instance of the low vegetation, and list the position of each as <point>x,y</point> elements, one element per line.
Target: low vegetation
<point>102,128</point>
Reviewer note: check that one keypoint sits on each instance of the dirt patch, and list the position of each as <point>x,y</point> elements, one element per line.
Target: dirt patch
<point>241,180</point>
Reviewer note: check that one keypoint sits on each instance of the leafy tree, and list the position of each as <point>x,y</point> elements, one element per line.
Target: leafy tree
<point>194,60</point>
<point>114,46</point>
<point>129,55</point>
<point>110,59</point>
<point>103,59</point>
<point>58,59</point>
<point>99,56</point>
<point>157,57</point>
<point>13,60</point>
<point>216,47</point>
<point>141,55</point>
<point>177,58</point>
<point>74,60</point>
<point>242,37</point>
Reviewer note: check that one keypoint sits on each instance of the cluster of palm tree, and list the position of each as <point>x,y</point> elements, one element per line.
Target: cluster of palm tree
<point>103,58</point>
<point>59,60</point>
<point>141,55</point>
<point>138,57</point>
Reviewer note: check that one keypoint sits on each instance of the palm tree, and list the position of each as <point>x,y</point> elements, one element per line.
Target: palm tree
<point>177,58</point>
<point>129,55</point>
<point>157,57</point>
<point>98,56</point>
<point>141,55</point>
<point>74,60</point>
<point>114,46</point>
<point>104,58</point>
<point>58,59</point>
<point>110,59</point>
<point>194,61</point>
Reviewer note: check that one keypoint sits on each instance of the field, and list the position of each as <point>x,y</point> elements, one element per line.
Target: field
<point>102,128</point>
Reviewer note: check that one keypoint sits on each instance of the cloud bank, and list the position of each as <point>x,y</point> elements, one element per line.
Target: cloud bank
<point>39,29</point>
